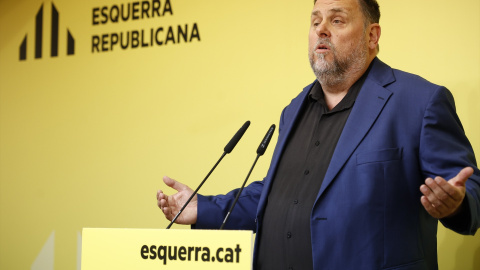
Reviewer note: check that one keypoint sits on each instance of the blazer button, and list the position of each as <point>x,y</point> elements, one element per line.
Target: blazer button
<point>289,235</point>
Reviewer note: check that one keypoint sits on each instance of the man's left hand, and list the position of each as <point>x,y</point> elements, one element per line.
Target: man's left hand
<point>444,198</point>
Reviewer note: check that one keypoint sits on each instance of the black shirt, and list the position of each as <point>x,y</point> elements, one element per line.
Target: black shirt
<point>285,234</point>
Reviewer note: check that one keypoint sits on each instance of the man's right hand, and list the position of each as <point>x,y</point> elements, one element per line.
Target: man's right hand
<point>171,205</point>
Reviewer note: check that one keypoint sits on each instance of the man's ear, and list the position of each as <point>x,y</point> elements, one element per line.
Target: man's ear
<point>374,31</point>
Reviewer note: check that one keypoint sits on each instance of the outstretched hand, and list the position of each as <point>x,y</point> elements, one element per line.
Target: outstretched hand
<point>444,198</point>
<point>171,205</point>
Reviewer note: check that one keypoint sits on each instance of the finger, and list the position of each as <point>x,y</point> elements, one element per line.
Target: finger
<point>161,196</point>
<point>164,201</point>
<point>174,184</point>
<point>461,178</point>
<point>428,190</point>
<point>444,192</point>
<point>161,202</point>
<point>166,212</point>
<point>447,192</point>
<point>429,207</point>
<point>158,197</point>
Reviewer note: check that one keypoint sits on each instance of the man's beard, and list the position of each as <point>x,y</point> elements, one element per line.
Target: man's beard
<point>335,72</point>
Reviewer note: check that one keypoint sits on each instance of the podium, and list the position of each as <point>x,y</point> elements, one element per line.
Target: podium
<point>140,249</point>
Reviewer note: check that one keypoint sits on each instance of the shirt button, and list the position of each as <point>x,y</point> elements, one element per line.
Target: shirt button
<point>295,201</point>
<point>289,235</point>
<point>317,143</point>
<point>306,172</point>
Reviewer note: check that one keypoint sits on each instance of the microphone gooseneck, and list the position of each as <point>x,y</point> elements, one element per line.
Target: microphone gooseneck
<point>260,151</point>
<point>228,148</point>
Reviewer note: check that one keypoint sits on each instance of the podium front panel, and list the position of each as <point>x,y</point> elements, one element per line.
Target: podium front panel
<point>165,249</point>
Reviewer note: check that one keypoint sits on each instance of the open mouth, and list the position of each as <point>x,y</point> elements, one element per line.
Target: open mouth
<point>322,48</point>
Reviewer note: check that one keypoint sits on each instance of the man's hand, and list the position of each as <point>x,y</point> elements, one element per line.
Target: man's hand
<point>171,205</point>
<point>444,198</point>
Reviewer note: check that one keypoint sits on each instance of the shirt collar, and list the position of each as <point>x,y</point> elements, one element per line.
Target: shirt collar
<point>316,94</point>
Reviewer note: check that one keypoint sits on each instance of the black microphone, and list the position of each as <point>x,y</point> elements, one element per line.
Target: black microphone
<point>266,140</point>
<point>233,142</point>
<point>260,151</point>
<point>228,148</point>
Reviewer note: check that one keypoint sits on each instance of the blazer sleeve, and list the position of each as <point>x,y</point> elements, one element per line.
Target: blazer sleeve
<point>444,151</point>
<point>213,209</point>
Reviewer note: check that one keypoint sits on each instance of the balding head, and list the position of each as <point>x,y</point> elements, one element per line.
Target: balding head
<point>370,10</point>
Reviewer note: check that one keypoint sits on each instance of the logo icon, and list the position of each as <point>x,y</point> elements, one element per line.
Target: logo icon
<point>54,36</point>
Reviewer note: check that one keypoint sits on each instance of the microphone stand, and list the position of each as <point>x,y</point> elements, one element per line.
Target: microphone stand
<point>260,151</point>
<point>238,194</point>
<point>228,148</point>
<point>196,190</point>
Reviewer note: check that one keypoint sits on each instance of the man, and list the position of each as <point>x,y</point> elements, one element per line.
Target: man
<point>367,161</point>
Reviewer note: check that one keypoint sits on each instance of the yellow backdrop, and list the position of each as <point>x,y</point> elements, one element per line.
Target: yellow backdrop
<point>86,136</point>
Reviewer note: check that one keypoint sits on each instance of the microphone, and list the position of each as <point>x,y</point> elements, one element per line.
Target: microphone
<point>260,151</point>
<point>228,148</point>
<point>233,142</point>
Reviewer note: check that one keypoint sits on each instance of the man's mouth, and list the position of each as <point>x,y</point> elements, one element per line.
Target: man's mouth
<point>322,48</point>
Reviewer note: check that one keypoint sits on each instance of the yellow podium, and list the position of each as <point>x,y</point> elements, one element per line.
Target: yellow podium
<point>165,249</point>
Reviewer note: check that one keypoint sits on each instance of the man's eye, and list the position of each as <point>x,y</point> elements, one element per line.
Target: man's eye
<point>316,22</point>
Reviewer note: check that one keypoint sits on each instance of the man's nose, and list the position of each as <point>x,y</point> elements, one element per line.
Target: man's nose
<point>322,30</point>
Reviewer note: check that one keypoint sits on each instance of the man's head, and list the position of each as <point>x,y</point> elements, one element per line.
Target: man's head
<point>343,38</point>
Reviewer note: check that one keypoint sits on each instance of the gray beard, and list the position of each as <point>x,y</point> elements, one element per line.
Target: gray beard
<point>334,73</point>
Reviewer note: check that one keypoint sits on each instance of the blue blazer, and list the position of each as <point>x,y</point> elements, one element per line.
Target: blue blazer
<point>368,214</point>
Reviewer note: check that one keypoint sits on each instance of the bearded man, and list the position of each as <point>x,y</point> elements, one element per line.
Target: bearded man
<point>368,160</point>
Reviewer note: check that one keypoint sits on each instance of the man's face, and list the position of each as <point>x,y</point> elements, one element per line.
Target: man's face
<point>337,39</point>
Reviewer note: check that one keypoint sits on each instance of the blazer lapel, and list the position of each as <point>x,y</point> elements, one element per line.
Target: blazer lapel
<point>290,118</point>
<point>369,104</point>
